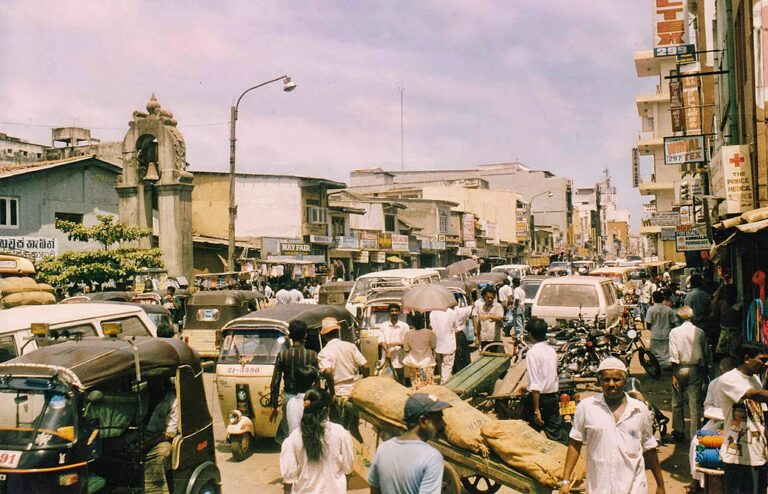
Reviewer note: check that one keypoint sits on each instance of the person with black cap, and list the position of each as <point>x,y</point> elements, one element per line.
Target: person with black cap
<point>407,464</point>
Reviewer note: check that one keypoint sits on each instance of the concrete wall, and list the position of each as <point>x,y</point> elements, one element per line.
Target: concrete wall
<point>15,150</point>
<point>75,188</point>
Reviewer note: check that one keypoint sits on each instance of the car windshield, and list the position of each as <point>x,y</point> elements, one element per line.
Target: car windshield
<point>33,419</point>
<point>252,347</point>
<point>636,275</point>
<point>531,289</point>
<point>566,295</point>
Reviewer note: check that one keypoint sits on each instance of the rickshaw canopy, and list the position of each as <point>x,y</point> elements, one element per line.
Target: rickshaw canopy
<point>311,314</point>
<point>91,361</point>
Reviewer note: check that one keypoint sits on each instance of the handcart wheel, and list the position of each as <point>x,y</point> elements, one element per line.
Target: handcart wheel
<point>451,480</point>
<point>477,484</point>
<point>650,363</point>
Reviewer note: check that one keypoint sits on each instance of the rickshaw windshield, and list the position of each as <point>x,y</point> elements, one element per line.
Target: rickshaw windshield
<point>35,419</point>
<point>380,315</point>
<point>252,347</point>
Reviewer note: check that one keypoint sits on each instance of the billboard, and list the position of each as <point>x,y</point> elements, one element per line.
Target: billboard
<point>669,18</point>
<point>684,149</point>
<point>688,238</point>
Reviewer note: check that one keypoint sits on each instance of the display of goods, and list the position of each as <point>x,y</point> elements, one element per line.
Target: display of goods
<point>462,421</point>
<point>381,397</point>
<point>524,449</point>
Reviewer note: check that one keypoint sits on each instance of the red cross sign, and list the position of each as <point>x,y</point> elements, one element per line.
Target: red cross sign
<point>737,160</point>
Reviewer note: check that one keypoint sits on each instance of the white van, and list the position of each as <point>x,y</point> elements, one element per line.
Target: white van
<point>513,270</point>
<point>392,278</point>
<point>74,318</point>
<point>565,297</point>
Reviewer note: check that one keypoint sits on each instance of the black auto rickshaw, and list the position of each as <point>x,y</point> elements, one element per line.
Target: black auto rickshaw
<point>244,369</point>
<point>74,416</point>
<point>335,292</point>
<point>210,310</point>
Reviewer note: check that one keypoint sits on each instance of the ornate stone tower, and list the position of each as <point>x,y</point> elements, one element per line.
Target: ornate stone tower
<point>155,189</point>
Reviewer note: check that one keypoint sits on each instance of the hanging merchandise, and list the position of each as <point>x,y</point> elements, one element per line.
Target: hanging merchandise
<point>755,323</point>
<point>758,278</point>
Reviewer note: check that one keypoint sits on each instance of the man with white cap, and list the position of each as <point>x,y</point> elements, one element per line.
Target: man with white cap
<point>407,464</point>
<point>619,437</point>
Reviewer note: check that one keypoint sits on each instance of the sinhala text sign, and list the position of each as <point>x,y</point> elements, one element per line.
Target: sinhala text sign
<point>684,149</point>
<point>30,247</point>
<point>687,238</point>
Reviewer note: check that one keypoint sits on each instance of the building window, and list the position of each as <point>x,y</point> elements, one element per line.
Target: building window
<point>445,221</point>
<point>71,217</point>
<point>389,222</point>
<point>9,212</point>
<point>317,215</point>
<point>337,225</point>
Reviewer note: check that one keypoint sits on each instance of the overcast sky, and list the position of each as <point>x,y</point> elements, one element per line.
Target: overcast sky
<point>550,83</point>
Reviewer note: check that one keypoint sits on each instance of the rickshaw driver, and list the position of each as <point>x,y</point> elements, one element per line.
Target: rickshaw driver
<point>172,302</point>
<point>341,362</point>
<point>162,428</point>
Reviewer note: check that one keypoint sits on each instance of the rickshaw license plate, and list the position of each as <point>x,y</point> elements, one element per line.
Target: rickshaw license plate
<point>568,408</point>
<point>9,459</point>
<point>208,315</point>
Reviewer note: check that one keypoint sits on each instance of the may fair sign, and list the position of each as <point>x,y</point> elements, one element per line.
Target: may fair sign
<point>30,247</point>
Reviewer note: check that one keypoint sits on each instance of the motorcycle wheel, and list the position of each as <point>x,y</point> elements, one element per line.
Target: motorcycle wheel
<point>650,363</point>
<point>241,446</point>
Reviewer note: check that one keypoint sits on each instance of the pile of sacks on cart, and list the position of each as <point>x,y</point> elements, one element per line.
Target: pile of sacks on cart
<point>20,290</point>
<point>514,441</point>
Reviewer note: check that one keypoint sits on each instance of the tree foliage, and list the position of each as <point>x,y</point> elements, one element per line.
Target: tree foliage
<point>100,265</point>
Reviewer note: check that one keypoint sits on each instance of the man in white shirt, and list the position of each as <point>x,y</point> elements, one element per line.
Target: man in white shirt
<point>688,359</point>
<point>391,336</point>
<point>283,296</point>
<point>543,384</point>
<point>443,323</point>
<point>619,437</point>
<point>505,294</point>
<point>268,291</point>
<point>742,401</point>
<point>517,304</point>
<point>296,296</point>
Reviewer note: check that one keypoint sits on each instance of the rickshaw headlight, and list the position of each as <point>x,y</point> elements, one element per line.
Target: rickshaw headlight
<point>234,416</point>
<point>68,479</point>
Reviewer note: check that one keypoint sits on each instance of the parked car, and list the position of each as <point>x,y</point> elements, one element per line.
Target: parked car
<point>513,270</point>
<point>568,298</point>
<point>68,319</point>
<point>530,285</point>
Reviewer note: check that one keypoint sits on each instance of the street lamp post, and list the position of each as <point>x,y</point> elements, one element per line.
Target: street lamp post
<point>288,85</point>
<point>533,222</point>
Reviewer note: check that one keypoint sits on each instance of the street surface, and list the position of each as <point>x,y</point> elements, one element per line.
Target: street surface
<point>261,471</point>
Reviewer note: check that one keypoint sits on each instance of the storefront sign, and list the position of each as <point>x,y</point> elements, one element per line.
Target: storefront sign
<point>369,240</point>
<point>668,27</point>
<point>385,241</point>
<point>676,105</point>
<point>379,257</point>
<point>686,149</point>
<point>432,245</point>
<point>449,239</point>
<point>294,249</point>
<point>665,218</point>
<point>464,251</point>
<point>400,242</point>
<point>345,243</point>
<point>635,168</point>
<point>472,244</point>
<point>320,239</point>
<point>731,178</point>
<point>30,247</point>
<point>692,103</point>
<point>687,238</point>
<point>468,227</point>
<point>667,233</point>
<point>362,257</point>
<point>522,226</point>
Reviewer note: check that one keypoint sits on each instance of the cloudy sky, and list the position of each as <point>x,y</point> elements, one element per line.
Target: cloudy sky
<point>550,83</point>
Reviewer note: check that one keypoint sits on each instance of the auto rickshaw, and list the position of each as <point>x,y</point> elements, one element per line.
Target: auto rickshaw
<point>209,310</point>
<point>73,417</point>
<point>335,292</point>
<point>249,349</point>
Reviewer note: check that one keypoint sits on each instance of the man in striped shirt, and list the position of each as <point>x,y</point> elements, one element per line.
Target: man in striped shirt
<point>287,366</point>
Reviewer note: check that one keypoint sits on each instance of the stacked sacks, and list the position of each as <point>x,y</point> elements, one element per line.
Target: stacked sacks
<point>524,449</point>
<point>16,291</point>
<point>462,421</point>
<point>382,397</point>
<point>708,450</point>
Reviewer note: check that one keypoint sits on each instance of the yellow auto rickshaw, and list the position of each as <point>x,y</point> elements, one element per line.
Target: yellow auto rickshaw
<point>249,348</point>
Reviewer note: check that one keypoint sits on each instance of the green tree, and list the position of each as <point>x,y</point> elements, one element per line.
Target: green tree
<point>100,265</point>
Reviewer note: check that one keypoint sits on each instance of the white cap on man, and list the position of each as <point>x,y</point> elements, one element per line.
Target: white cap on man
<point>612,363</point>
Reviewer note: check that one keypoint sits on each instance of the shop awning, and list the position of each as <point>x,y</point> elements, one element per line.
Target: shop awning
<point>753,227</point>
<point>395,259</point>
<point>714,252</point>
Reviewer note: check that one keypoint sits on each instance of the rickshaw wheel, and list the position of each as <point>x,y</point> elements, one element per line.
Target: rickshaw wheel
<point>241,446</point>
<point>477,484</point>
<point>451,480</point>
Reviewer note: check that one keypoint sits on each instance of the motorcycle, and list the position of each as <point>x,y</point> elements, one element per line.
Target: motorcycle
<point>581,357</point>
<point>625,346</point>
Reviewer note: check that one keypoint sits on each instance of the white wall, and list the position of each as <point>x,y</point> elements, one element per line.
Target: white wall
<point>268,207</point>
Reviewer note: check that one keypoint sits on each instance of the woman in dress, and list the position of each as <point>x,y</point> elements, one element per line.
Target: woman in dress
<point>419,345</point>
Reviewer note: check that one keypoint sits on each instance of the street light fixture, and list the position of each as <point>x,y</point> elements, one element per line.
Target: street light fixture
<point>288,85</point>
<point>533,223</point>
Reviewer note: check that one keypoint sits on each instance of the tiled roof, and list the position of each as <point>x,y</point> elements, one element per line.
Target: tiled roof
<point>10,170</point>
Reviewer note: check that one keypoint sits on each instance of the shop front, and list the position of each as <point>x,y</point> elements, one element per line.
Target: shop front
<point>342,253</point>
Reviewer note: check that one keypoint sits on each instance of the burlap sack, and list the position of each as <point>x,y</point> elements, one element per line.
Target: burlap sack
<point>44,287</point>
<point>16,284</point>
<point>27,298</point>
<point>462,421</point>
<point>526,450</point>
<point>381,397</point>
